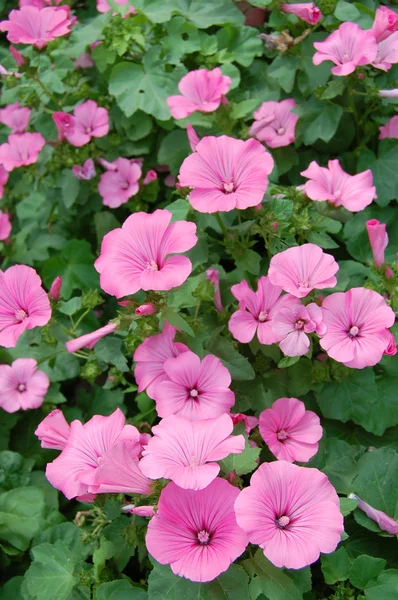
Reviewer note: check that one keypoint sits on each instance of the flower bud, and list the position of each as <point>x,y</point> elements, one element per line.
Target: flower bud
<point>55,288</point>
<point>145,309</point>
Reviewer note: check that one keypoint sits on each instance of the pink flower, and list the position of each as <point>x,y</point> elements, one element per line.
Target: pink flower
<point>5,226</point>
<point>23,303</point>
<point>249,421</point>
<point>17,56</point>
<point>22,386</point>
<point>390,129</point>
<point>193,137</point>
<point>5,73</point>
<point>354,192</point>
<point>385,522</point>
<point>55,289</point>
<point>141,511</point>
<point>22,149</point>
<point>290,432</point>
<point>385,23</point>
<point>194,389</point>
<point>31,25</point>
<point>135,257</point>
<point>213,275</point>
<point>274,123</point>
<point>151,355</point>
<point>291,512</point>
<point>88,120</point>
<point>185,451</point>
<point>3,180</point>
<point>357,323</point>
<point>306,11</point>
<point>195,532</point>
<point>348,47</point>
<point>391,349</point>
<point>119,184</point>
<point>293,322</point>
<point>169,180</point>
<point>226,173</point>
<point>378,239</point>
<point>201,90</point>
<point>53,431</point>
<point>387,52</point>
<point>145,309</point>
<point>16,117</point>
<point>257,311</point>
<point>388,93</point>
<point>90,339</point>
<point>300,269</point>
<point>86,171</point>
<point>149,177</point>
<point>99,457</point>
<point>103,6</point>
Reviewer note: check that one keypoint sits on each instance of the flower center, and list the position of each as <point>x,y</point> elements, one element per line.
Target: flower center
<point>100,460</point>
<point>299,324</point>
<point>345,58</point>
<point>20,315</point>
<point>282,435</point>
<point>262,316</point>
<point>281,131</point>
<point>203,537</point>
<point>152,266</point>
<point>283,521</point>
<point>194,461</point>
<point>228,187</point>
<point>194,393</point>
<point>337,194</point>
<point>88,130</point>
<point>353,331</point>
<point>304,283</point>
<point>21,387</point>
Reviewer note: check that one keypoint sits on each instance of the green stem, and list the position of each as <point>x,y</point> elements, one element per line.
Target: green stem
<point>80,319</point>
<point>47,91</point>
<point>221,224</point>
<point>45,358</point>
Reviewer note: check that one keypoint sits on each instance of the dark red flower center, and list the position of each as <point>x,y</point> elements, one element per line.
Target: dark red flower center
<point>194,393</point>
<point>299,324</point>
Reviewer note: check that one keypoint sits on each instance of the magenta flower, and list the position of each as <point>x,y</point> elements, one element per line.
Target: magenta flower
<point>213,275</point>
<point>385,23</point>
<point>31,25</point>
<point>274,123</point>
<point>22,385</point>
<point>257,311</point>
<point>16,117</point>
<point>249,421</point>
<point>378,239</point>
<point>151,355</point>
<point>292,323</point>
<point>99,457</point>
<point>22,149</point>
<point>195,532</point>
<point>193,137</point>
<point>119,183</point>
<point>90,339</point>
<point>290,432</point>
<point>306,11</point>
<point>55,289</point>
<point>86,171</point>
<point>3,180</point>
<point>348,47</point>
<point>291,512</point>
<point>354,192</point>
<point>194,389</point>
<point>135,257</point>
<point>88,120</point>
<point>387,52</point>
<point>53,431</point>
<point>357,323</point>
<point>390,129</point>
<point>300,269</point>
<point>23,303</point>
<point>5,226</point>
<point>150,176</point>
<point>226,173</point>
<point>201,90</point>
<point>185,451</point>
<point>84,61</point>
<point>385,522</point>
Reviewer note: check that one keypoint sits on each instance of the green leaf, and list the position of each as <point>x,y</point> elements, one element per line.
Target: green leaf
<point>99,401</point>
<point>239,44</point>
<point>338,460</point>
<point>109,350</point>
<point>202,14</point>
<point>384,587</point>
<point>270,581</point>
<point>346,12</point>
<point>283,70</point>
<point>322,239</point>
<point>324,125</point>
<point>364,569</point>
<point>104,552</point>
<point>237,365</point>
<point>288,361</point>
<point>250,261</point>
<point>104,223</point>
<point>69,185</point>
<point>347,505</point>
<point>14,470</point>
<point>173,149</point>
<point>21,510</point>
<point>69,534</point>
<point>243,463</point>
<point>71,306</point>
<point>174,318</point>
<point>334,88</point>
<point>179,209</point>
<point>384,169</point>
<point>335,566</point>
<point>84,35</point>
<point>50,576</point>
<point>120,589</point>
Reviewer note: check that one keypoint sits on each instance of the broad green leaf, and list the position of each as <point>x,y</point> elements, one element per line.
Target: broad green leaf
<point>242,463</point>
<point>364,569</point>
<point>334,88</point>
<point>50,576</point>
<point>200,13</point>
<point>339,461</point>
<point>356,237</point>
<point>21,510</point>
<point>347,505</point>
<point>238,44</point>
<point>69,534</point>
<point>14,470</point>
<point>86,34</point>
<point>104,223</point>
<point>384,169</point>
<point>288,361</point>
<point>173,149</point>
<point>99,401</point>
<point>324,125</point>
<point>104,552</point>
<point>237,365</point>
<point>249,261</point>
<point>174,318</point>
<point>71,306</point>
<point>120,589</point>
<point>69,185</point>
<point>384,587</point>
<point>109,350</point>
<point>346,12</point>
<point>270,581</point>
<point>283,70</point>
<point>11,590</point>
<point>335,566</point>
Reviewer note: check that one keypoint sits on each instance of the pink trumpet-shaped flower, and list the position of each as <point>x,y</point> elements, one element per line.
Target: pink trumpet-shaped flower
<point>151,355</point>
<point>291,512</point>
<point>86,171</point>
<point>389,93</point>
<point>306,11</point>
<point>300,269</point>
<point>22,149</point>
<point>274,123</point>
<point>292,323</point>
<point>213,275</point>
<point>347,47</point>
<point>16,117</point>
<point>391,349</point>
<point>354,192</point>
<point>385,522</point>
<point>185,451</point>
<point>195,532</point>
<point>119,183</point>
<point>378,239</point>
<point>385,23</point>
<point>31,25</point>
<point>257,311</point>
<point>149,177</point>
<point>357,323</point>
<point>90,339</point>
<point>200,90</point>
<point>88,120</point>
<point>136,257</point>
<point>53,431</point>
<point>194,389</point>
<point>226,173</point>
<point>23,303</point>
<point>3,180</point>
<point>5,226</point>
<point>193,137</point>
<point>390,129</point>
<point>22,385</point>
<point>290,432</point>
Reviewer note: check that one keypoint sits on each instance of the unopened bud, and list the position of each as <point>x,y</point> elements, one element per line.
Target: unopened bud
<point>145,309</point>
<point>55,288</point>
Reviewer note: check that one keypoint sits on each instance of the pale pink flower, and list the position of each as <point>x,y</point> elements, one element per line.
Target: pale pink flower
<point>200,90</point>
<point>291,512</point>
<point>387,52</point>
<point>357,323</point>
<point>354,192</point>
<point>151,355</point>
<point>390,129</point>
<point>16,117</point>
<point>300,269</point>
<point>22,385</point>
<point>274,123</point>
<point>306,11</point>
<point>88,120</point>
<point>118,184</point>
<point>53,431</point>
<point>32,25</point>
<point>23,303</point>
<point>292,323</point>
<point>194,389</point>
<point>391,349</point>
<point>135,256</point>
<point>249,421</point>
<point>257,311</point>
<point>22,149</point>
<point>17,56</point>
<point>84,61</point>
<point>141,511</point>
<point>103,6</point>
<point>347,47</point>
<point>385,23</point>
<point>195,532</point>
<point>186,451</point>
<point>290,431</point>
<point>86,171</point>
<point>385,522</point>
<point>213,275</point>
<point>388,93</point>
<point>99,457</point>
<point>193,137</point>
<point>5,226</point>
<point>226,173</point>
<point>90,339</point>
<point>378,239</point>
<point>145,309</point>
<point>5,73</point>
<point>3,180</point>
<point>149,177</point>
